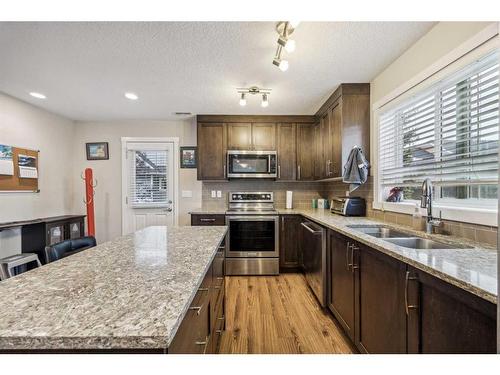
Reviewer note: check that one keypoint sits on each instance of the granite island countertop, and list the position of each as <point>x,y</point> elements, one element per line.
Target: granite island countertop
<point>473,269</point>
<point>127,294</point>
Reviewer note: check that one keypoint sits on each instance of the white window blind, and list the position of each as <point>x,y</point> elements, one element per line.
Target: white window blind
<point>449,132</point>
<point>148,185</point>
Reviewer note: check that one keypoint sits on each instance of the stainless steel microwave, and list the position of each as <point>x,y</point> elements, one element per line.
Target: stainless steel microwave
<point>251,164</point>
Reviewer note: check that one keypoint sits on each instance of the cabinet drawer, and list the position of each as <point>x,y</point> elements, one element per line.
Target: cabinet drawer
<point>208,220</point>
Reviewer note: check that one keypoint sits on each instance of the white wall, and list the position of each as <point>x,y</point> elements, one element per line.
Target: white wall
<point>25,125</point>
<point>108,172</point>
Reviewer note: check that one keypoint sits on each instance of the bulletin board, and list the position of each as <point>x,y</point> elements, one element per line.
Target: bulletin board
<point>24,175</point>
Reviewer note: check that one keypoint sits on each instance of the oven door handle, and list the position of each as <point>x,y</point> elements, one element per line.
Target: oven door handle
<point>252,218</point>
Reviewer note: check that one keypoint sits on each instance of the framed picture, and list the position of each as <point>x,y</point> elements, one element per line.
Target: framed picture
<point>97,151</point>
<point>189,157</point>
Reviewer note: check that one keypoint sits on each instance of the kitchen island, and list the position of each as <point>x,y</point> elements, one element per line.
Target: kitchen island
<point>127,295</point>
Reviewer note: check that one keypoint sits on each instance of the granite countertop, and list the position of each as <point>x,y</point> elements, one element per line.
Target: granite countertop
<point>129,293</point>
<point>474,269</point>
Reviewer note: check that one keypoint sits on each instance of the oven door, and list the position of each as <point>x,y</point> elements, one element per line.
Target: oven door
<point>252,236</point>
<point>251,164</point>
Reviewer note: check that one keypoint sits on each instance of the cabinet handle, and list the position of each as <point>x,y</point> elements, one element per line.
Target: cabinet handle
<point>220,278</point>
<point>347,264</point>
<point>329,168</point>
<point>221,317</point>
<point>224,170</point>
<point>218,331</point>
<point>283,224</point>
<point>353,266</point>
<point>207,220</point>
<point>203,289</point>
<point>202,343</point>
<point>407,279</point>
<point>298,172</point>
<point>197,309</point>
<point>279,171</point>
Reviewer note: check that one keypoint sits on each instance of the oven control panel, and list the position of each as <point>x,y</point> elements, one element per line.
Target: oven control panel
<point>251,197</point>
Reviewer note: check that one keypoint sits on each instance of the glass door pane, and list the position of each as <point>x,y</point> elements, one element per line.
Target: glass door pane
<point>252,236</point>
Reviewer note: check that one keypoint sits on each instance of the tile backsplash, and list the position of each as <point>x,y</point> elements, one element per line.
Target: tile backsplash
<point>304,192</point>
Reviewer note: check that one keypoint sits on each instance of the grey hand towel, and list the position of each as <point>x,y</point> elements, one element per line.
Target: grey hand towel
<point>356,169</point>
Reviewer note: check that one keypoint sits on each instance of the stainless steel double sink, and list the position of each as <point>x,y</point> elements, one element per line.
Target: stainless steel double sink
<point>403,239</point>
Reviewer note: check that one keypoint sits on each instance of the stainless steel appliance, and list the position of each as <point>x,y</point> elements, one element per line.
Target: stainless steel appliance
<point>348,206</point>
<point>252,246</point>
<point>251,164</point>
<point>314,258</point>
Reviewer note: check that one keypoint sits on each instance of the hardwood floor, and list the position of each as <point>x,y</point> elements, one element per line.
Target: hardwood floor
<point>278,314</point>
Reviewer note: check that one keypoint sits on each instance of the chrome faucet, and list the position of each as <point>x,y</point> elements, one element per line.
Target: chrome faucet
<point>426,202</point>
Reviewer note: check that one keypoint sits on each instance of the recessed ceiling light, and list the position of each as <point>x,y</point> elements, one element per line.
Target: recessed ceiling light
<point>38,95</point>
<point>131,96</point>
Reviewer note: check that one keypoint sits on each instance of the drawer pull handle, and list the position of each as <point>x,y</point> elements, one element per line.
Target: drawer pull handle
<point>218,331</point>
<point>203,289</point>
<point>200,342</point>
<point>221,318</point>
<point>217,287</point>
<point>197,309</point>
<point>207,220</point>
<point>220,278</point>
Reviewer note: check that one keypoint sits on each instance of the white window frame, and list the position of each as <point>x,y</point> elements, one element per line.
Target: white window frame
<point>452,62</point>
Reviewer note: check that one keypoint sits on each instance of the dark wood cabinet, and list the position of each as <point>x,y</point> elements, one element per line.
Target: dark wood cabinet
<point>445,319</point>
<point>344,122</point>
<point>239,136</point>
<point>291,136</point>
<point>264,136</point>
<point>287,151</point>
<point>317,151</point>
<point>290,256</point>
<point>212,148</point>
<point>387,306</point>
<point>202,326</point>
<point>305,154</point>
<point>379,301</point>
<point>341,282</point>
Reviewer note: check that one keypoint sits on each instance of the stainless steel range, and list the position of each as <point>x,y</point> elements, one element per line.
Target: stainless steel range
<point>253,240</point>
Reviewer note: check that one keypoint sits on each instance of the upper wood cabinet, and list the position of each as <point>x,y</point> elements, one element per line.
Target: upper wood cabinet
<point>305,154</point>
<point>264,136</point>
<point>287,151</point>
<point>239,136</point>
<point>212,148</point>
<point>344,123</point>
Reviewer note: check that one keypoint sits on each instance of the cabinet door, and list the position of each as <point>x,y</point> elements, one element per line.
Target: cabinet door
<point>287,152</point>
<point>264,137</point>
<point>326,143</point>
<point>318,151</point>
<point>305,156</point>
<point>379,302</point>
<point>290,258</point>
<point>239,136</point>
<point>211,151</point>
<point>335,168</point>
<point>341,282</point>
<point>75,229</point>
<point>445,319</point>
<point>55,233</point>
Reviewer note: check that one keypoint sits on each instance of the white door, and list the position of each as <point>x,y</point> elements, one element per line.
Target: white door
<point>148,185</point>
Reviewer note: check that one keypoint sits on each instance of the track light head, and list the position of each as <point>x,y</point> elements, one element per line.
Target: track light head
<point>265,101</point>
<point>287,44</point>
<point>282,64</point>
<point>243,100</point>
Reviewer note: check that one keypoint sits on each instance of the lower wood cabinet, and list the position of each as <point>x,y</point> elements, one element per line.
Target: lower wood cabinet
<point>290,255</point>
<point>341,282</point>
<point>380,325</point>
<point>443,318</point>
<point>387,306</point>
<point>204,322</point>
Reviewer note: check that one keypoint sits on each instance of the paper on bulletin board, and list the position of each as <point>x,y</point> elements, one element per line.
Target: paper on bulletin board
<point>27,166</point>
<point>6,163</point>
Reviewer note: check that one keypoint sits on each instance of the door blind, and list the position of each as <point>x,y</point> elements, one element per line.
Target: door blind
<point>448,133</point>
<point>148,185</point>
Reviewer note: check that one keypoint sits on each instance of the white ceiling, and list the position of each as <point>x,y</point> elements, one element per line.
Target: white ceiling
<point>84,68</point>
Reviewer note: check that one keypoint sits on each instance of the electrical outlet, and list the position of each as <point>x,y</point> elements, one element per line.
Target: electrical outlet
<point>219,194</point>
<point>214,194</point>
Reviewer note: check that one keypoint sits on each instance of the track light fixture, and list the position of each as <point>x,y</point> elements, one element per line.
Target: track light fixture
<point>254,90</point>
<point>284,30</point>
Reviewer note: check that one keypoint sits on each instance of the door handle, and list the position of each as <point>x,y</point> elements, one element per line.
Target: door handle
<point>310,229</point>
<point>169,209</point>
